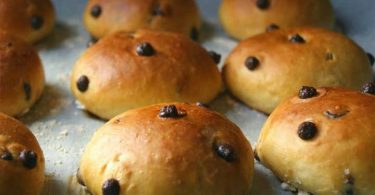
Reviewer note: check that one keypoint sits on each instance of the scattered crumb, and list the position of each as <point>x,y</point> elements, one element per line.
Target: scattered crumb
<point>80,129</point>
<point>64,133</point>
<point>79,105</point>
<point>64,78</point>
<point>288,187</point>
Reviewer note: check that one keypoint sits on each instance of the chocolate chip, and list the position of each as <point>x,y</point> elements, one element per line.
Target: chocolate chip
<point>92,41</point>
<point>194,34</point>
<point>297,39</point>
<point>96,11</point>
<point>158,11</point>
<point>335,115</point>
<point>272,27</point>
<point>349,180</point>
<point>201,104</point>
<point>111,187</point>
<point>369,88</point>
<point>83,83</point>
<point>117,121</point>
<point>145,49</point>
<point>36,22</point>
<point>307,130</point>
<point>215,56</point>
<point>169,111</point>
<point>28,159</point>
<point>252,63</point>
<point>225,151</point>
<point>307,92</point>
<point>329,56</point>
<point>371,59</point>
<point>79,178</point>
<point>263,4</point>
<point>6,156</point>
<point>27,90</point>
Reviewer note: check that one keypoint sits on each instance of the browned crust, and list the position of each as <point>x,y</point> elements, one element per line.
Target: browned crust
<point>342,145</point>
<point>148,154</point>
<point>181,70</point>
<point>285,67</point>
<point>16,16</point>
<point>242,18</point>
<point>15,178</point>
<point>179,16</point>
<point>20,65</point>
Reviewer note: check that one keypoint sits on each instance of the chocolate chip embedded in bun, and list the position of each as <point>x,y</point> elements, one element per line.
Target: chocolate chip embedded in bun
<point>21,75</point>
<point>307,92</point>
<point>369,88</point>
<point>272,27</point>
<point>139,152</point>
<point>252,63</point>
<point>265,69</point>
<point>28,159</point>
<point>324,144</point>
<point>215,56</point>
<point>124,71</point>
<point>21,159</point>
<point>296,38</point>
<point>111,187</point>
<point>103,17</point>
<point>245,18</point>
<point>307,130</point>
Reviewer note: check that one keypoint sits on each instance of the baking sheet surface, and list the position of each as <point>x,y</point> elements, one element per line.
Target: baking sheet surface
<point>63,130</point>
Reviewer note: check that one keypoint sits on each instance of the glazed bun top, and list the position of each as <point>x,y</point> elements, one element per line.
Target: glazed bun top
<point>168,149</point>
<point>329,108</point>
<point>103,17</point>
<point>21,75</point>
<point>31,20</point>
<point>321,141</point>
<point>245,18</point>
<point>265,69</point>
<point>125,71</point>
<point>21,159</point>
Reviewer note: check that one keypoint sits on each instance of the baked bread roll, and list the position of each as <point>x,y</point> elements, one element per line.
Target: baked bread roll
<point>168,149</point>
<point>31,20</point>
<point>21,75</point>
<point>245,18</point>
<point>265,69</point>
<point>21,159</point>
<point>124,71</point>
<point>102,17</point>
<point>322,141</point>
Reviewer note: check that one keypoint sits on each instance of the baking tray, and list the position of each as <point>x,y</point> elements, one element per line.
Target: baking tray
<point>63,130</point>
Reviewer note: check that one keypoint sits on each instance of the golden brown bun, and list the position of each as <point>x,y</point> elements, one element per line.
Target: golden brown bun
<point>21,173</point>
<point>243,18</point>
<point>325,59</point>
<point>119,79</point>
<point>21,75</point>
<point>338,158</point>
<point>103,17</point>
<point>151,155</point>
<point>29,19</point>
